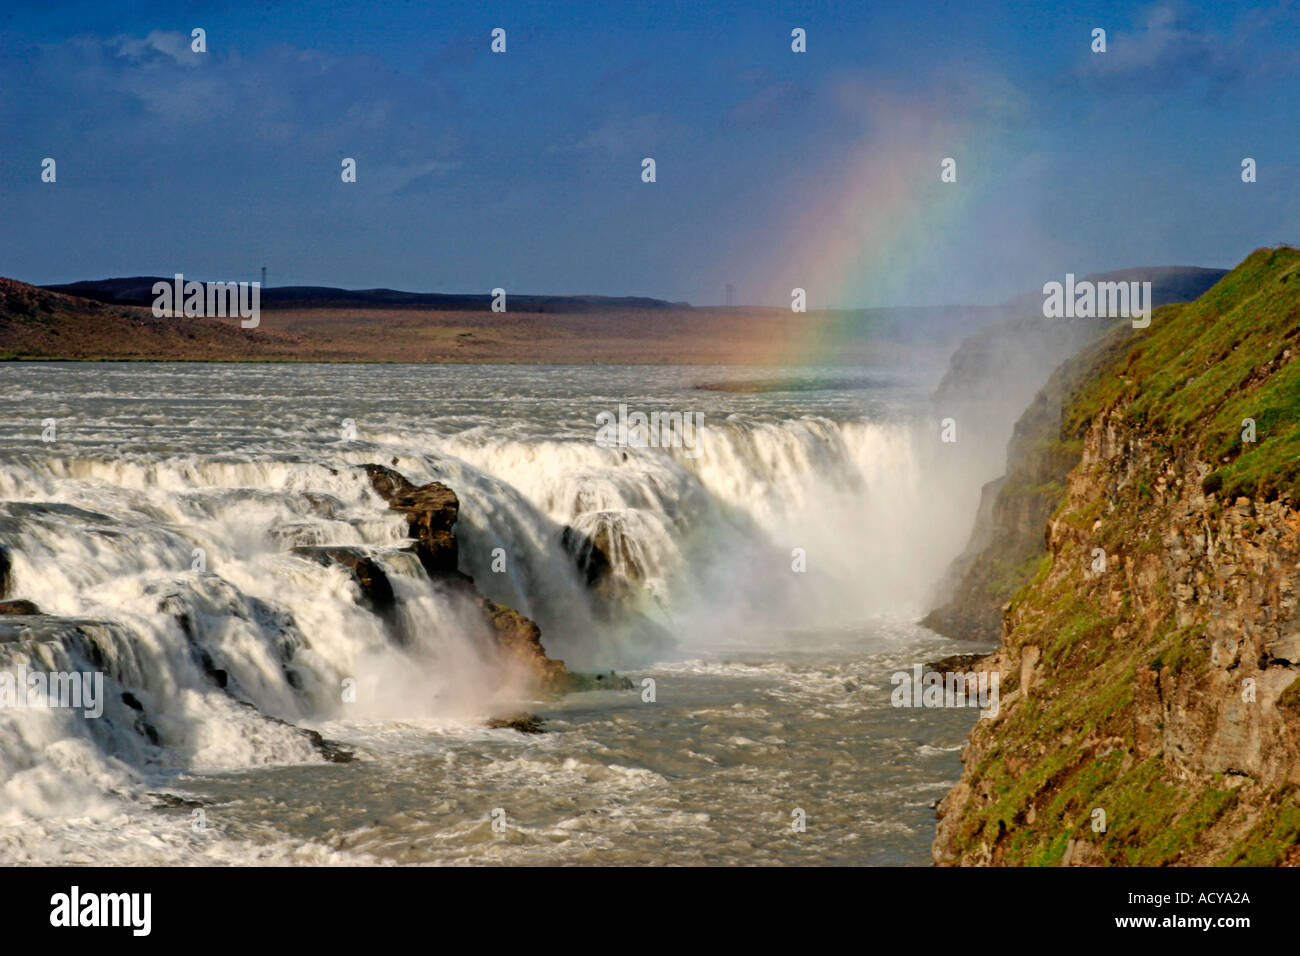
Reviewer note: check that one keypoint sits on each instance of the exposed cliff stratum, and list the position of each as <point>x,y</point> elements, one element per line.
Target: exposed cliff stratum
<point>1148,534</point>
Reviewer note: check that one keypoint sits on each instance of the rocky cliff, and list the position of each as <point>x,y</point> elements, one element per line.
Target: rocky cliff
<point>991,378</point>
<point>1148,532</point>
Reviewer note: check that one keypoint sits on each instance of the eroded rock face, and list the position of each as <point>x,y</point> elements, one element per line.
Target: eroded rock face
<point>1149,688</point>
<point>609,559</point>
<point>591,560</point>
<point>431,511</point>
<point>386,481</point>
<point>522,639</point>
<point>1162,690</point>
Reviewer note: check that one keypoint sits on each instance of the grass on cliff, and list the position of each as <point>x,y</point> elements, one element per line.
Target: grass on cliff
<point>1186,382</point>
<point>1204,367</point>
<point>1066,752</point>
<point>1191,378</point>
<point>1275,837</point>
<point>1194,376</point>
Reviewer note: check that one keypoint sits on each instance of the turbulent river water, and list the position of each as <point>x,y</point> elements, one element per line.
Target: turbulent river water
<point>771,575</point>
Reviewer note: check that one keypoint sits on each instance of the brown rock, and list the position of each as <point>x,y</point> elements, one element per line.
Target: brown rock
<point>19,607</point>
<point>431,511</point>
<point>525,723</point>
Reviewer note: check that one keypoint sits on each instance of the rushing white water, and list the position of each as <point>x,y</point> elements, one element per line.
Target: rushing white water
<point>154,532</point>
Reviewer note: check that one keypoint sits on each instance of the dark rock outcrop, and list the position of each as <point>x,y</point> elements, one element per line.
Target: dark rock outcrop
<point>956,662</point>
<point>608,558</point>
<point>525,723</point>
<point>16,607</point>
<point>522,639</point>
<point>590,558</point>
<point>387,482</point>
<point>431,511</point>
<point>171,801</point>
<point>329,749</point>
<point>376,590</point>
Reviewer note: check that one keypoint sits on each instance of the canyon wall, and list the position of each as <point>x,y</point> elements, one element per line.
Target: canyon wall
<point>1148,537</point>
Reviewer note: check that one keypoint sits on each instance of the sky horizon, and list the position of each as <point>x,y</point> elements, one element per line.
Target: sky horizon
<point>774,169</point>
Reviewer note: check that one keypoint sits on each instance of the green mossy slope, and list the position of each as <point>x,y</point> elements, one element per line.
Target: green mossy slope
<point>1121,690</point>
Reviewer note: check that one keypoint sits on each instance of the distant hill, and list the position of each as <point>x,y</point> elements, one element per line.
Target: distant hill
<point>112,319</point>
<point>1004,363</point>
<point>138,290</point>
<point>38,324</point>
<point>1168,283</point>
<point>42,323</point>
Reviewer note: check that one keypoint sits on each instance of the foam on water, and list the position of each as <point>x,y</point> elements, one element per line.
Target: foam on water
<point>161,518</point>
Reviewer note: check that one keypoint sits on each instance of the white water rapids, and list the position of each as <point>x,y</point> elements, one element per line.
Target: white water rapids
<point>154,533</point>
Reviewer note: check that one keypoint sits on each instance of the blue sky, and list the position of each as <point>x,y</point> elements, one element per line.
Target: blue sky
<point>522,169</point>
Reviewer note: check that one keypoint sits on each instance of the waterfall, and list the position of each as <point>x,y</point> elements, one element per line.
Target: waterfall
<point>167,565</point>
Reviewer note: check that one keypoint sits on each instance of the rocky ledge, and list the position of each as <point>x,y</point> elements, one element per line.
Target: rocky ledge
<point>431,511</point>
